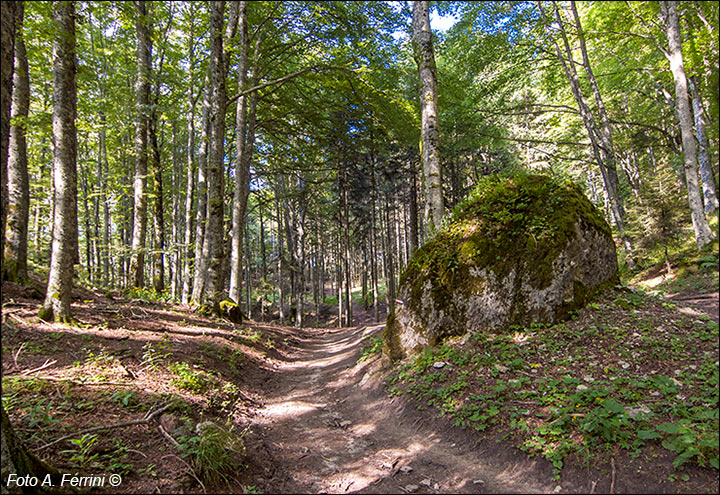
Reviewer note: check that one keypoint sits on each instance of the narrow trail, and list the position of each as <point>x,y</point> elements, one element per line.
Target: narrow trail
<point>327,426</point>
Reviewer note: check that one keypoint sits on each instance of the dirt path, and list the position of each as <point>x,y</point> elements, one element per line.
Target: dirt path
<point>327,426</point>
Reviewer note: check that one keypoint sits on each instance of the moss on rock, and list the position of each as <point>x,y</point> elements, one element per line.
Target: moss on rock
<point>520,249</point>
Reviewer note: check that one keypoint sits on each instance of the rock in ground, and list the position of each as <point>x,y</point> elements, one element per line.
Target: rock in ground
<point>522,249</point>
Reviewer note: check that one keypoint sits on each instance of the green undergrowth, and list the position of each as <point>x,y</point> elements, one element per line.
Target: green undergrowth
<point>628,372</point>
<point>43,411</point>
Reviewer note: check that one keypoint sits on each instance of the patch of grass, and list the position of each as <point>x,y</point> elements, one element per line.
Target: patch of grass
<point>192,380</point>
<point>216,451</point>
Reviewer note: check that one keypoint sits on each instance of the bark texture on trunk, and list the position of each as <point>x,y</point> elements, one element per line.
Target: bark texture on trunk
<point>142,102</point>
<point>16,458</point>
<point>18,182</point>
<point>430,142</point>
<point>187,248</point>
<point>7,53</point>
<point>64,238</point>
<point>703,234</point>
<point>215,176</point>
<point>242,173</point>
<point>704,161</point>
<point>200,276</point>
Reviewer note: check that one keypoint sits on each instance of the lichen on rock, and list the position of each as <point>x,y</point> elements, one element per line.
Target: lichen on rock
<point>521,249</point>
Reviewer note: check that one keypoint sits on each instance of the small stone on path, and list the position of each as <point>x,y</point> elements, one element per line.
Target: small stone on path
<point>478,482</point>
<point>557,489</point>
<point>426,482</point>
<point>439,364</point>
<point>412,488</point>
<point>406,469</point>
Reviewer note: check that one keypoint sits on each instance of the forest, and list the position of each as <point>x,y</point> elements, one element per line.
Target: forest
<point>263,173</point>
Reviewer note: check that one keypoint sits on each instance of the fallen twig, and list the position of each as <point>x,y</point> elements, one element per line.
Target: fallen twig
<point>47,364</point>
<point>168,436</point>
<point>612,479</point>
<point>59,379</point>
<point>143,421</point>
<point>17,355</point>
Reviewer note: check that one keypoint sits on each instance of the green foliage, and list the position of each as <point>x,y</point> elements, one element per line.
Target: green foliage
<point>216,451</point>
<point>125,398</point>
<point>373,347</point>
<point>192,380</point>
<point>155,354</point>
<point>81,453</point>
<point>569,388</point>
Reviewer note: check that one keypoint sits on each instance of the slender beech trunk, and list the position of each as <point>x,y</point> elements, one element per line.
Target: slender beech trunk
<point>64,248</point>
<point>214,234</point>
<point>339,277</point>
<point>703,234</point>
<point>86,216</point>
<point>704,160</point>
<point>605,137</point>
<point>176,216</point>
<point>280,262</point>
<point>242,174</point>
<point>598,138</point>
<point>102,177</point>
<point>373,238</point>
<point>248,276</point>
<point>413,213</point>
<point>346,245</point>
<point>389,262</point>
<point>425,59</point>
<point>18,213</point>
<point>187,250</point>
<point>7,51</point>
<point>200,226</point>
<point>301,273</point>
<point>159,231</point>
<point>142,101</point>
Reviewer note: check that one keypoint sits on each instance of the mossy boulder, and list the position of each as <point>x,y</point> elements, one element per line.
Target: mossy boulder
<point>521,249</point>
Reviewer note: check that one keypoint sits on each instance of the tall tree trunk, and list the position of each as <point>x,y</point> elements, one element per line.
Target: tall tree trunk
<point>248,276</point>
<point>7,51</point>
<point>176,265</point>
<point>187,249</point>
<point>703,234</point>
<point>389,263</point>
<point>142,101</point>
<point>605,137</point>
<point>214,234</point>
<point>64,247</point>
<point>373,239</point>
<point>102,177</point>
<point>18,181</point>
<point>159,231</point>
<point>413,211</point>
<point>599,147</point>
<point>704,160</point>
<point>281,262</point>
<point>242,174</point>
<point>425,59</point>
<point>200,276</point>
<point>346,244</point>
<point>86,216</point>
<point>339,276</point>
